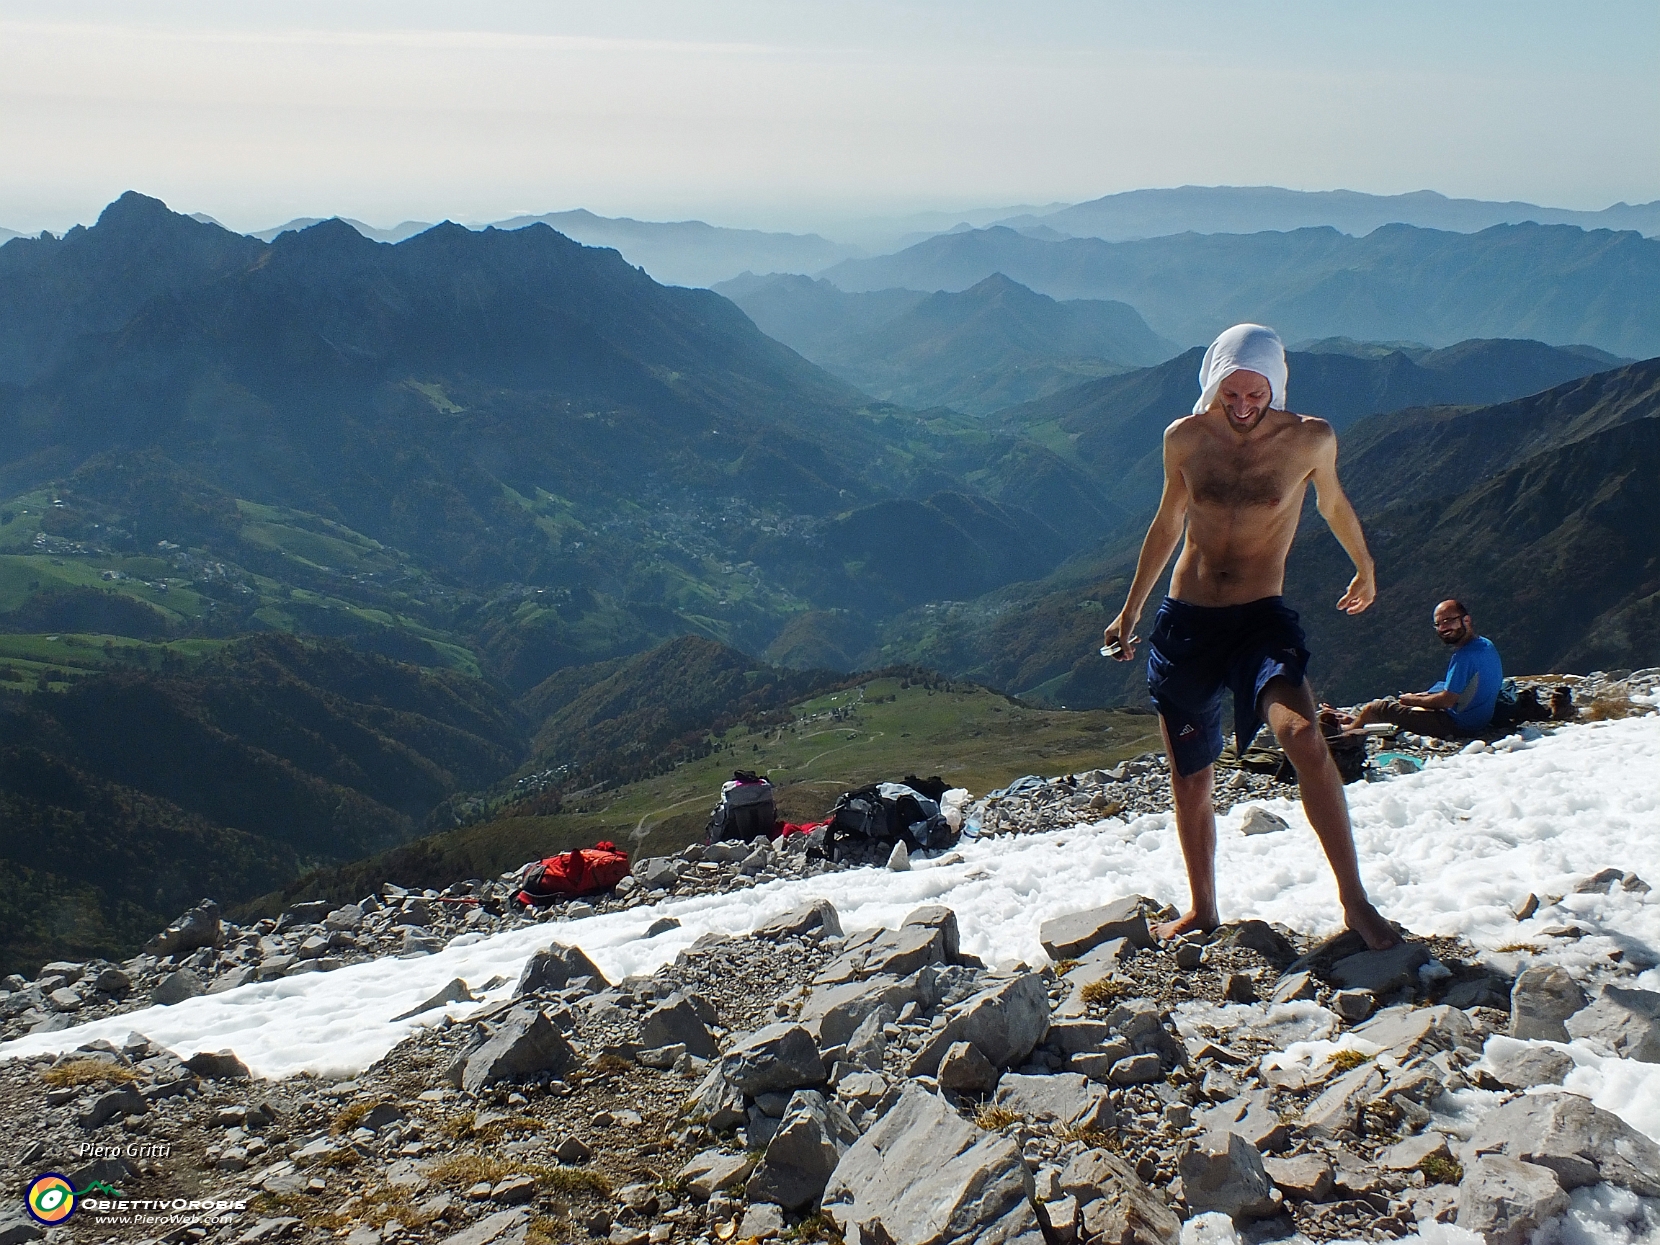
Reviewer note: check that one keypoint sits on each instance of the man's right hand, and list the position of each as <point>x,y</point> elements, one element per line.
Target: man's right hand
<point>1121,631</point>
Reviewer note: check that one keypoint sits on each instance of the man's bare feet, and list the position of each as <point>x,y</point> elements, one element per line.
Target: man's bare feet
<point>1185,924</point>
<point>1366,921</point>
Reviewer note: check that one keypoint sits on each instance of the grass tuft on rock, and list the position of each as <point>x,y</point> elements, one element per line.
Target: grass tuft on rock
<point>1347,1060</point>
<point>1100,993</point>
<point>75,1072</point>
<point>1439,1169</point>
<point>992,1118</point>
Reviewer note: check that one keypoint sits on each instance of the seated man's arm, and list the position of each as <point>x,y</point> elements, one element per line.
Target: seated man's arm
<point>1429,700</point>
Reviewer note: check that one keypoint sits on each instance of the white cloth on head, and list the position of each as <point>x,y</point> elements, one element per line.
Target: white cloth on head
<point>1244,347</point>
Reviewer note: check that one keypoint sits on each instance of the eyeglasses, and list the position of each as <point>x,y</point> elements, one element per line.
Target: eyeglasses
<point>1442,624</point>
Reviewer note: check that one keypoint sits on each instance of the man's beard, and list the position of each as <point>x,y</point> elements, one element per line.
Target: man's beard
<point>1455,638</point>
<point>1249,420</point>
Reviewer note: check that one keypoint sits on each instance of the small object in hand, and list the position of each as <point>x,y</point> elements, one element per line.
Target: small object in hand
<point>1115,647</point>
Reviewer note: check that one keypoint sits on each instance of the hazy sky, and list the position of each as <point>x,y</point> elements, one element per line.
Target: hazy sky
<point>797,114</point>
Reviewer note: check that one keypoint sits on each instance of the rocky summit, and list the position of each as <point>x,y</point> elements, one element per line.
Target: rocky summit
<point>869,1086</point>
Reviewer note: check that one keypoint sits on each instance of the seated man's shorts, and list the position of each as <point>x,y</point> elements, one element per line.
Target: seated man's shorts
<point>1195,652</point>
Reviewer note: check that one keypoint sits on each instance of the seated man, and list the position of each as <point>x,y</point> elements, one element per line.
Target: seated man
<point>1460,704</point>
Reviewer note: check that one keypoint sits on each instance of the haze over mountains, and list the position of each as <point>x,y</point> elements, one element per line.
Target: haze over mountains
<point>1554,283</point>
<point>990,346</point>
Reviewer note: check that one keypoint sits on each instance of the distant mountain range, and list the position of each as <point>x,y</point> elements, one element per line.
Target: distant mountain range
<point>686,252</point>
<point>1251,209</point>
<point>1555,283</point>
<point>1114,427</point>
<point>990,346</point>
<point>498,449</point>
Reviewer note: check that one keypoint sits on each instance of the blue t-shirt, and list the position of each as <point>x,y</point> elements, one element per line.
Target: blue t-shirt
<point>1475,674</point>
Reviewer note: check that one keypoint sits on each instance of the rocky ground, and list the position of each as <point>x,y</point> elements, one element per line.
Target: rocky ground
<point>811,1083</point>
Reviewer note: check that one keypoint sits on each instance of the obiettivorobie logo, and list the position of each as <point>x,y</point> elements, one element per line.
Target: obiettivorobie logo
<point>52,1199</point>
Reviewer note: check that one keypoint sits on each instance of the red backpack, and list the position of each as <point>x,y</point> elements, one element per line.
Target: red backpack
<point>579,872</point>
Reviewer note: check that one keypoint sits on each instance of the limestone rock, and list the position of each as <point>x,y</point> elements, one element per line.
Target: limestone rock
<point>1306,1178</point>
<point>1336,1112</point>
<point>1381,971</point>
<point>1258,820</point>
<point>1581,1143</point>
<point>868,1045</point>
<point>199,927</point>
<point>554,968</point>
<point>965,1070</point>
<point>762,1221</point>
<point>938,916</point>
<point>835,1012</point>
<point>778,1057</point>
<point>176,987</point>
<point>1405,1155</point>
<point>1543,997</point>
<point>1251,1117</point>
<point>1624,1021</point>
<point>820,914</point>
<point>1063,1098</point>
<point>1530,1066</point>
<point>527,1042</point>
<point>1136,1070</point>
<point>899,860</point>
<point>1352,1005</point>
<point>1223,1172</point>
<point>805,1149</point>
<point>1005,1021</point>
<point>455,992</point>
<point>1406,1032</point>
<point>1506,1201</point>
<point>1117,1206</point>
<point>111,1105</point>
<point>925,1176</point>
<point>1070,936</point>
<point>675,1021</point>
<point>1293,986</point>
<point>216,1065</point>
<point>714,1170</point>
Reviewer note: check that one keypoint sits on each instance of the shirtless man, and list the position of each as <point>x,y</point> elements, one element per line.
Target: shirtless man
<point>1235,472</point>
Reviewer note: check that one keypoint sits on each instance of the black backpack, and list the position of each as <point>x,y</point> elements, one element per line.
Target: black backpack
<point>745,809</point>
<point>887,813</point>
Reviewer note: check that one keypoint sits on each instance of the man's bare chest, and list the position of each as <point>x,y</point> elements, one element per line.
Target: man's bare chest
<point>1239,481</point>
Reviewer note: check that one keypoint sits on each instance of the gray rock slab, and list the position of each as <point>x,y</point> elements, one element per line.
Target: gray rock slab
<point>1304,1177</point>
<point>526,1043</point>
<point>1065,1098</point>
<point>674,1022</point>
<point>554,967</point>
<point>455,992</point>
<point>1530,1066</point>
<point>868,1044</point>
<point>1223,1172</point>
<point>217,1065</point>
<point>1097,1065</point>
<point>16,1227</point>
<point>925,1176</point>
<point>938,916</point>
<point>498,1229</point>
<point>779,1057</point>
<point>1336,1112</point>
<point>1622,1020</point>
<point>1542,999</point>
<point>1070,936</point>
<point>1580,1142</point>
<point>1116,1205</point>
<point>1072,1036</point>
<point>199,927</point>
<point>112,1105</point>
<point>900,952</point>
<point>819,914</point>
<point>1507,1201</point>
<point>1261,937</point>
<point>1250,1116</point>
<point>1293,986</point>
<point>1406,1032</point>
<point>1406,1154</point>
<point>1006,1021</point>
<point>1381,971</point>
<point>762,1221</point>
<point>1141,1069</point>
<point>964,1070</point>
<point>1353,1005</point>
<point>833,1012</point>
<point>804,1150</point>
<point>714,1170</point>
<point>176,987</point>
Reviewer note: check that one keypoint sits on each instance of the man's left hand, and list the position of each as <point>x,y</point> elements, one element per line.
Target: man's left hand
<point>1363,590</point>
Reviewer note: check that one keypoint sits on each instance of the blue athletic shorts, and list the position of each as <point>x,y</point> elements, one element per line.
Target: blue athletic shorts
<point>1195,652</point>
